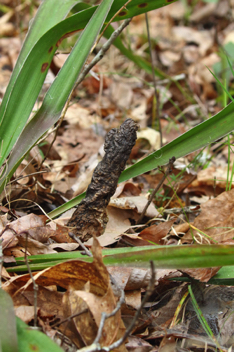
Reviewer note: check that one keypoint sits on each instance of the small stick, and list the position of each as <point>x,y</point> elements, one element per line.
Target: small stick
<point>106,316</point>
<point>76,238</point>
<point>168,170</point>
<point>102,51</point>
<point>95,347</point>
<point>69,318</point>
<point>115,15</point>
<point>214,186</point>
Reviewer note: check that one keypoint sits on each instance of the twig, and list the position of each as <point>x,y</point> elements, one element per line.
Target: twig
<point>190,209</point>
<point>106,316</point>
<point>148,293</point>
<point>214,186</point>
<point>103,50</point>
<point>95,347</point>
<point>168,170</point>
<point>69,318</point>
<point>54,138</point>
<point>76,238</point>
<point>154,79</point>
<point>113,17</point>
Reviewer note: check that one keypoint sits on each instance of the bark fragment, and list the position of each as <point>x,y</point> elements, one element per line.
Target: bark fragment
<point>90,218</point>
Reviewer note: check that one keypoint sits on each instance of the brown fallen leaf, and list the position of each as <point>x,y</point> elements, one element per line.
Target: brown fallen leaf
<point>136,344</point>
<point>215,220</point>
<point>118,223</point>
<point>127,189</point>
<point>23,225</point>
<point>135,203</point>
<point>130,278</point>
<point>156,233</point>
<point>201,274</point>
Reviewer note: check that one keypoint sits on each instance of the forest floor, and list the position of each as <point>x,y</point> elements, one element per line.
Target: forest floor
<point>194,205</point>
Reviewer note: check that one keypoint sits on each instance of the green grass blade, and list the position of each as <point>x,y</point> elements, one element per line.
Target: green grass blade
<point>33,340</point>
<point>200,315</point>
<point>223,86</point>
<point>225,276</point>
<point>24,89</point>
<point>176,257</point>
<point>138,60</point>
<point>60,89</point>
<point>165,257</point>
<point>42,22</point>
<point>8,334</point>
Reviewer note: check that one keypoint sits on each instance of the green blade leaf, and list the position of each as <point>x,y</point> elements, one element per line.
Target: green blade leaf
<point>42,22</point>
<point>8,334</point>
<point>138,60</point>
<point>32,340</point>
<point>165,257</point>
<point>60,89</point>
<point>177,257</point>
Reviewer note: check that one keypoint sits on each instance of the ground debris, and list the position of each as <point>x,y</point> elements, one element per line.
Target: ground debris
<point>90,218</point>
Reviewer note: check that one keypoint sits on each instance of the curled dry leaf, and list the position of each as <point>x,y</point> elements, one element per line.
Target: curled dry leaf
<point>31,229</point>
<point>77,300</point>
<point>136,344</point>
<point>33,247</point>
<point>127,189</point>
<point>135,203</point>
<point>118,223</point>
<point>19,226</point>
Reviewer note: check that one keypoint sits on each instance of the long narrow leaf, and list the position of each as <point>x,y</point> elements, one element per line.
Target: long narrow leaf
<point>42,22</point>
<point>167,257</point>
<point>8,334</point>
<point>34,340</point>
<point>60,89</point>
<point>138,60</point>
